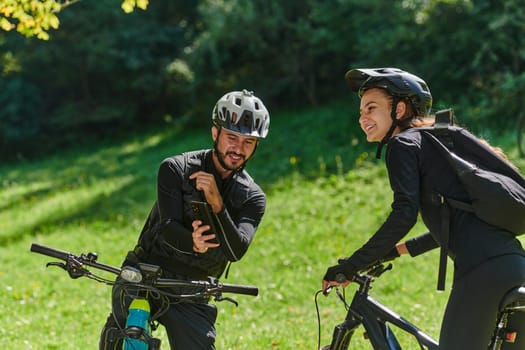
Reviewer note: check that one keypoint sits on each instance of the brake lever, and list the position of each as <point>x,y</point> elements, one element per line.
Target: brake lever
<point>231,300</point>
<point>73,267</point>
<point>58,264</point>
<point>379,269</point>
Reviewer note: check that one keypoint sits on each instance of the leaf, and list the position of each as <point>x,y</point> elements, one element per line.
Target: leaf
<point>128,6</point>
<point>54,22</point>
<point>6,25</point>
<point>142,4</point>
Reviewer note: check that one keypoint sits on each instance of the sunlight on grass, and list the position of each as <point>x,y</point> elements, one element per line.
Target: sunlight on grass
<point>28,215</point>
<point>13,192</point>
<point>137,146</point>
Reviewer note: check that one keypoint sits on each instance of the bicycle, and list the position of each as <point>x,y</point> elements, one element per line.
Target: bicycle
<point>376,318</point>
<point>144,278</point>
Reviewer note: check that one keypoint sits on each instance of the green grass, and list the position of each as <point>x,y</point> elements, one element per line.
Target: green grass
<point>326,195</point>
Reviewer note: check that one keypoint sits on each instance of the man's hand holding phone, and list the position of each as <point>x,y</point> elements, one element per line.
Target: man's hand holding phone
<point>204,228</point>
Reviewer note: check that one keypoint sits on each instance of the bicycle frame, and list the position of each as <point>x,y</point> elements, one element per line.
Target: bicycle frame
<point>376,318</point>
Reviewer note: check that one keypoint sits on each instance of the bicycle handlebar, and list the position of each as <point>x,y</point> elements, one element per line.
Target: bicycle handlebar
<point>89,259</point>
<point>76,262</point>
<point>240,289</point>
<point>52,252</point>
<point>376,269</point>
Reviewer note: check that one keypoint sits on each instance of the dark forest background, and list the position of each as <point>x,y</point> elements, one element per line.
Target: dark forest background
<point>105,73</point>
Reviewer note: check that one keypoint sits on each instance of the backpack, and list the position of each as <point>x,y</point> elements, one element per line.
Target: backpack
<point>496,189</point>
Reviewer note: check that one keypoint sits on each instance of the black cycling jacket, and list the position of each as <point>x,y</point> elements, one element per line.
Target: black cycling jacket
<point>166,236</point>
<point>416,168</point>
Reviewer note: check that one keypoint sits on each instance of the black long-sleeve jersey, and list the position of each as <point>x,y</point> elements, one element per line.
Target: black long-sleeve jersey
<point>416,168</point>
<point>166,236</point>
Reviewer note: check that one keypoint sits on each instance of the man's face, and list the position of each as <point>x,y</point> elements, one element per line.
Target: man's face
<point>233,150</point>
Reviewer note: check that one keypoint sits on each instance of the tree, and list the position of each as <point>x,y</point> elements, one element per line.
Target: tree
<point>36,18</point>
<point>103,72</point>
<point>483,72</point>
<point>106,71</point>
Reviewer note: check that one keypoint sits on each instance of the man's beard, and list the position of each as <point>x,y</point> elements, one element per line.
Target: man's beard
<point>221,158</point>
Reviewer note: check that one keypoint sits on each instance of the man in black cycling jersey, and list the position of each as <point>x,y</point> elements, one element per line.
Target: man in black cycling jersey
<point>175,241</point>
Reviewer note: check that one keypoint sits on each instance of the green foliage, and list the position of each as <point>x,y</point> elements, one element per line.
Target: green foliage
<point>482,72</point>
<point>95,81</point>
<point>243,38</point>
<point>106,72</point>
<point>21,103</point>
<point>129,5</point>
<point>36,18</point>
<point>30,18</point>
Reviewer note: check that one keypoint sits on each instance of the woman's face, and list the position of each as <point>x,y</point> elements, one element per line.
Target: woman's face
<point>374,114</point>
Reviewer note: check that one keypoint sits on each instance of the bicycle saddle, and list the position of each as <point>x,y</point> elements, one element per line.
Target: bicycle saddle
<point>514,299</point>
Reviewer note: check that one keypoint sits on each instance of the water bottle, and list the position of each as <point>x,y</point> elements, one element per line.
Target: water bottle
<point>138,316</point>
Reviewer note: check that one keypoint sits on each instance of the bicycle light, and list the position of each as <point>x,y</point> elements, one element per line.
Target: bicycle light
<point>131,274</point>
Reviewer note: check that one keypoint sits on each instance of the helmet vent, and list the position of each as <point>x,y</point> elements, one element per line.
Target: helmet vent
<point>424,87</point>
<point>238,101</point>
<point>257,106</point>
<point>222,113</point>
<point>246,120</point>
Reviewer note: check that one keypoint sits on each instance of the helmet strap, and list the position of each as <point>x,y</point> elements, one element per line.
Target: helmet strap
<point>395,123</point>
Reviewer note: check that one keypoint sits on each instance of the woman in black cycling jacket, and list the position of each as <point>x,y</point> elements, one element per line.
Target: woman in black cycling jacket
<point>488,261</point>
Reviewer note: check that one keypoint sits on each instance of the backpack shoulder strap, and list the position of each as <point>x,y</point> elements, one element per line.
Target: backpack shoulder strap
<point>439,134</point>
<point>441,137</point>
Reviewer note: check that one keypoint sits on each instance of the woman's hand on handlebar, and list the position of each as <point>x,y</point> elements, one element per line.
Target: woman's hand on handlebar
<point>342,273</point>
<point>327,285</point>
<point>337,275</point>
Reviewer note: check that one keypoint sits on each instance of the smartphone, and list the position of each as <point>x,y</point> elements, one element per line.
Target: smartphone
<point>203,212</point>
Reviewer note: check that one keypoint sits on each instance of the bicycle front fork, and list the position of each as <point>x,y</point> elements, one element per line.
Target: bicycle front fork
<point>341,337</point>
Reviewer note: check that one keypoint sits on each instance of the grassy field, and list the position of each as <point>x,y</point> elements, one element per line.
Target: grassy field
<point>326,195</point>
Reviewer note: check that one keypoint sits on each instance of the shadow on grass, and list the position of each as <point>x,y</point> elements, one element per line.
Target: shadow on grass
<point>82,185</point>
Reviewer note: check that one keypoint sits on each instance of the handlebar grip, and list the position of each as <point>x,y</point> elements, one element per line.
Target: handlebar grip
<point>55,253</point>
<point>239,289</point>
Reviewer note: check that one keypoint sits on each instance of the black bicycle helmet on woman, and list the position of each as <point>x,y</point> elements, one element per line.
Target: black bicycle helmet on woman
<point>399,84</point>
<point>243,113</point>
